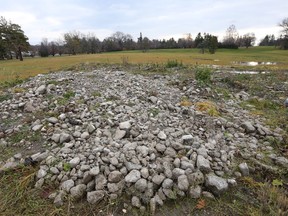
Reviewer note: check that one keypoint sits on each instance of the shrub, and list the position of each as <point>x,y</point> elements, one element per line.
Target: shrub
<point>173,63</point>
<point>203,75</point>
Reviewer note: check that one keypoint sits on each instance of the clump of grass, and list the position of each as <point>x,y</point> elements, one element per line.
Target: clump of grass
<point>4,97</point>
<point>154,111</point>
<point>54,82</point>
<point>124,60</point>
<point>112,98</point>
<point>209,107</point>
<point>96,94</point>
<point>18,90</point>
<point>69,94</point>
<point>203,75</point>
<point>185,102</point>
<point>66,167</point>
<point>173,64</point>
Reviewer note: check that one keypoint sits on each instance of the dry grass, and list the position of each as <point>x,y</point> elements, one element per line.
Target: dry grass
<point>12,69</point>
<point>207,107</point>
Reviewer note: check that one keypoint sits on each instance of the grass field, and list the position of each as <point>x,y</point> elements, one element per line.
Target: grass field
<point>262,193</point>
<point>12,69</point>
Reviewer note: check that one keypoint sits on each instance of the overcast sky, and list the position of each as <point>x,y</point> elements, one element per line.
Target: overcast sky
<point>156,19</point>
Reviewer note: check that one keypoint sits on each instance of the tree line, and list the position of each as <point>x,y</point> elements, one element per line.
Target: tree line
<point>13,42</point>
<point>77,43</point>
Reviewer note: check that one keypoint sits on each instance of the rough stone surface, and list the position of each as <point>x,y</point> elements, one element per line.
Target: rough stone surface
<point>127,133</point>
<point>195,192</point>
<point>203,164</point>
<point>95,196</point>
<point>133,176</point>
<point>244,169</point>
<point>67,185</point>
<point>215,184</point>
<point>78,191</point>
<point>115,176</point>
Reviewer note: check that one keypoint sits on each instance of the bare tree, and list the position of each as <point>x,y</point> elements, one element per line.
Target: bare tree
<point>72,42</point>
<point>230,38</point>
<point>284,25</point>
<point>283,40</point>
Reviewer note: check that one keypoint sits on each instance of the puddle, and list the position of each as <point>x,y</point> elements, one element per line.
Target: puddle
<point>248,72</point>
<point>252,63</point>
<point>245,72</point>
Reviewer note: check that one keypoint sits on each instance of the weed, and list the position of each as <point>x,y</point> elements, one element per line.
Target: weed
<point>16,137</point>
<point>69,94</point>
<point>154,111</point>
<point>112,98</point>
<point>67,167</point>
<point>96,94</point>
<point>173,64</point>
<point>5,97</point>
<point>208,107</point>
<point>124,60</point>
<point>54,82</point>
<point>18,90</point>
<point>203,75</point>
<point>185,102</point>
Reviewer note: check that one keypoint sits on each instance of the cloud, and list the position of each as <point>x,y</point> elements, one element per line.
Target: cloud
<point>155,19</point>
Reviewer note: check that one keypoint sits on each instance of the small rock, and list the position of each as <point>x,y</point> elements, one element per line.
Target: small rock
<point>52,120</point>
<point>67,185</point>
<point>56,138</point>
<point>183,183</point>
<point>215,184</point>
<point>208,195</point>
<point>141,185</point>
<point>39,183</point>
<point>115,176</point>
<point>54,170</point>
<point>125,125</point>
<point>94,171</point>
<point>41,173</point>
<point>113,187</point>
<point>167,183</point>
<point>244,169</point>
<point>133,176</point>
<point>196,178</point>
<point>195,192</point>
<point>95,196</point>
<point>37,127</point>
<point>187,139</point>
<point>85,135</point>
<point>41,89</point>
<point>119,134</point>
<point>91,128</point>
<point>64,137</point>
<point>249,128</point>
<point>158,179</point>
<point>144,172</point>
<point>286,102</point>
<point>282,161</point>
<point>162,135</point>
<point>58,201</point>
<point>78,191</point>
<point>203,164</point>
<point>135,201</point>
<point>100,182</point>
<point>153,99</point>
<point>74,162</point>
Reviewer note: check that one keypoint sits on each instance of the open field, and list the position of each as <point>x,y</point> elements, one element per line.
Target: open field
<point>10,70</point>
<point>263,192</point>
